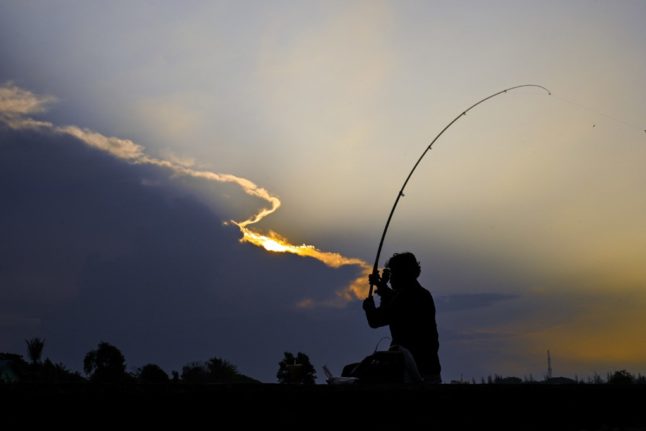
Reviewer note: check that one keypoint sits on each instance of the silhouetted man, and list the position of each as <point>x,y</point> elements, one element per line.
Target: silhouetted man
<point>409,310</point>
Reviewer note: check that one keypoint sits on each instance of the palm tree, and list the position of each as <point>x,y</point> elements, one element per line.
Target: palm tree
<point>35,349</point>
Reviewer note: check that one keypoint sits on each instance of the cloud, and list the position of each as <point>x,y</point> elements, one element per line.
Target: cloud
<point>461,302</point>
<point>121,148</point>
<point>19,103</point>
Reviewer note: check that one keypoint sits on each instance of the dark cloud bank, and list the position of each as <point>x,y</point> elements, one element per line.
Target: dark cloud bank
<point>94,249</point>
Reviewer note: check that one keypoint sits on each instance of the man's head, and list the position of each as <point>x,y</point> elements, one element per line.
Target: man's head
<point>404,268</point>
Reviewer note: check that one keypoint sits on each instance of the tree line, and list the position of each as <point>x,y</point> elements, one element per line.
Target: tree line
<point>619,377</point>
<point>107,364</point>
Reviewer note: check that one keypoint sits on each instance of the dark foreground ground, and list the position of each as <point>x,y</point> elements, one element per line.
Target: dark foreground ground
<point>544,407</point>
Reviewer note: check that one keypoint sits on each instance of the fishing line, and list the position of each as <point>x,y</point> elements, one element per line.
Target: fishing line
<point>599,112</point>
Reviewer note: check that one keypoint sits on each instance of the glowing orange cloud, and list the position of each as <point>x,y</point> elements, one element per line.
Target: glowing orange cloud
<point>17,103</point>
<point>275,243</point>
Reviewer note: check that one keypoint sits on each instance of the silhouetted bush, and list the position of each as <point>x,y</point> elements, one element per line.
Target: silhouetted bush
<point>221,371</point>
<point>56,373</point>
<point>14,369</point>
<point>195,372</point>
<point>215,370</point>
<point>621,377</point>
<point>296,370</point>
<point>508,380</point>
<point>151,373</point>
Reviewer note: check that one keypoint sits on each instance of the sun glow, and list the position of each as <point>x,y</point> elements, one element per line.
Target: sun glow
<point>275,243</point>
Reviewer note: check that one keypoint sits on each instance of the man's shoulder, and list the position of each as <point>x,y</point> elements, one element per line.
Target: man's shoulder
<point>419,293</point>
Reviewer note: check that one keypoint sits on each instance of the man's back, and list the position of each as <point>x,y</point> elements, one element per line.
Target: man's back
<point>412,325</point>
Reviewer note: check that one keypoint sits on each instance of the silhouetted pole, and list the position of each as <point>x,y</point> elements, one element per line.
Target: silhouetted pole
<point>375,268</point>
<point>549,365</point>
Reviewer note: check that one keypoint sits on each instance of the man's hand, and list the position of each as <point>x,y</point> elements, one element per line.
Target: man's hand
<point>374,279</point>
<point>380,282</point>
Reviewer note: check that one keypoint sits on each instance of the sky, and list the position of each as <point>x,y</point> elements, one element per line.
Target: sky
<point>139,140</point>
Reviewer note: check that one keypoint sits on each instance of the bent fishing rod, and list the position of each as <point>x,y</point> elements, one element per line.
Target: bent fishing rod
<point>375,268</point>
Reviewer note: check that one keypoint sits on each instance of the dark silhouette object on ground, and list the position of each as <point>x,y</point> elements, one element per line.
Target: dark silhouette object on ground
<point>152,374</point>
<point>106,364</point>
<point>383,367</point>
<point>35,349</point>
<point>511,380</point>
<point>296,370</point>
<point>215,370</point>
<point>409,310</point>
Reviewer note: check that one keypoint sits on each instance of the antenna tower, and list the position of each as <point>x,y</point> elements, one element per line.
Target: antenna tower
<point>549,365</point>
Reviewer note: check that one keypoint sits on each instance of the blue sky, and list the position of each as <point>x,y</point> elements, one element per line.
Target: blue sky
<point>527,215</point>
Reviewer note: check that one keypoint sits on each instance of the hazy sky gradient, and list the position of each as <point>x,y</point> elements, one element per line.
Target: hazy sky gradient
<point>531,205</point>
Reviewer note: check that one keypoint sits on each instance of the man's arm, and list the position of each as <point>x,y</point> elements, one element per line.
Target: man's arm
<point>377,317</point>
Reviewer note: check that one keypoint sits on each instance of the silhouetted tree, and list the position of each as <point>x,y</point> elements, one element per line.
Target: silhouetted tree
<point>222,371</point>
<point>35,349</point>
<point>596,380</point>
<point>13,368</point>
<point>57,373</point>
<point>215,370</point>
<point>195,372</point>
<point>296,369</point>
<point>284,368</point>
<point>621,377</point>
<point>105,364</point>
<point>152,373</point>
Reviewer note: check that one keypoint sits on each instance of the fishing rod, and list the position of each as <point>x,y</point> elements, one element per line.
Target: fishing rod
<point>375,268</point>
